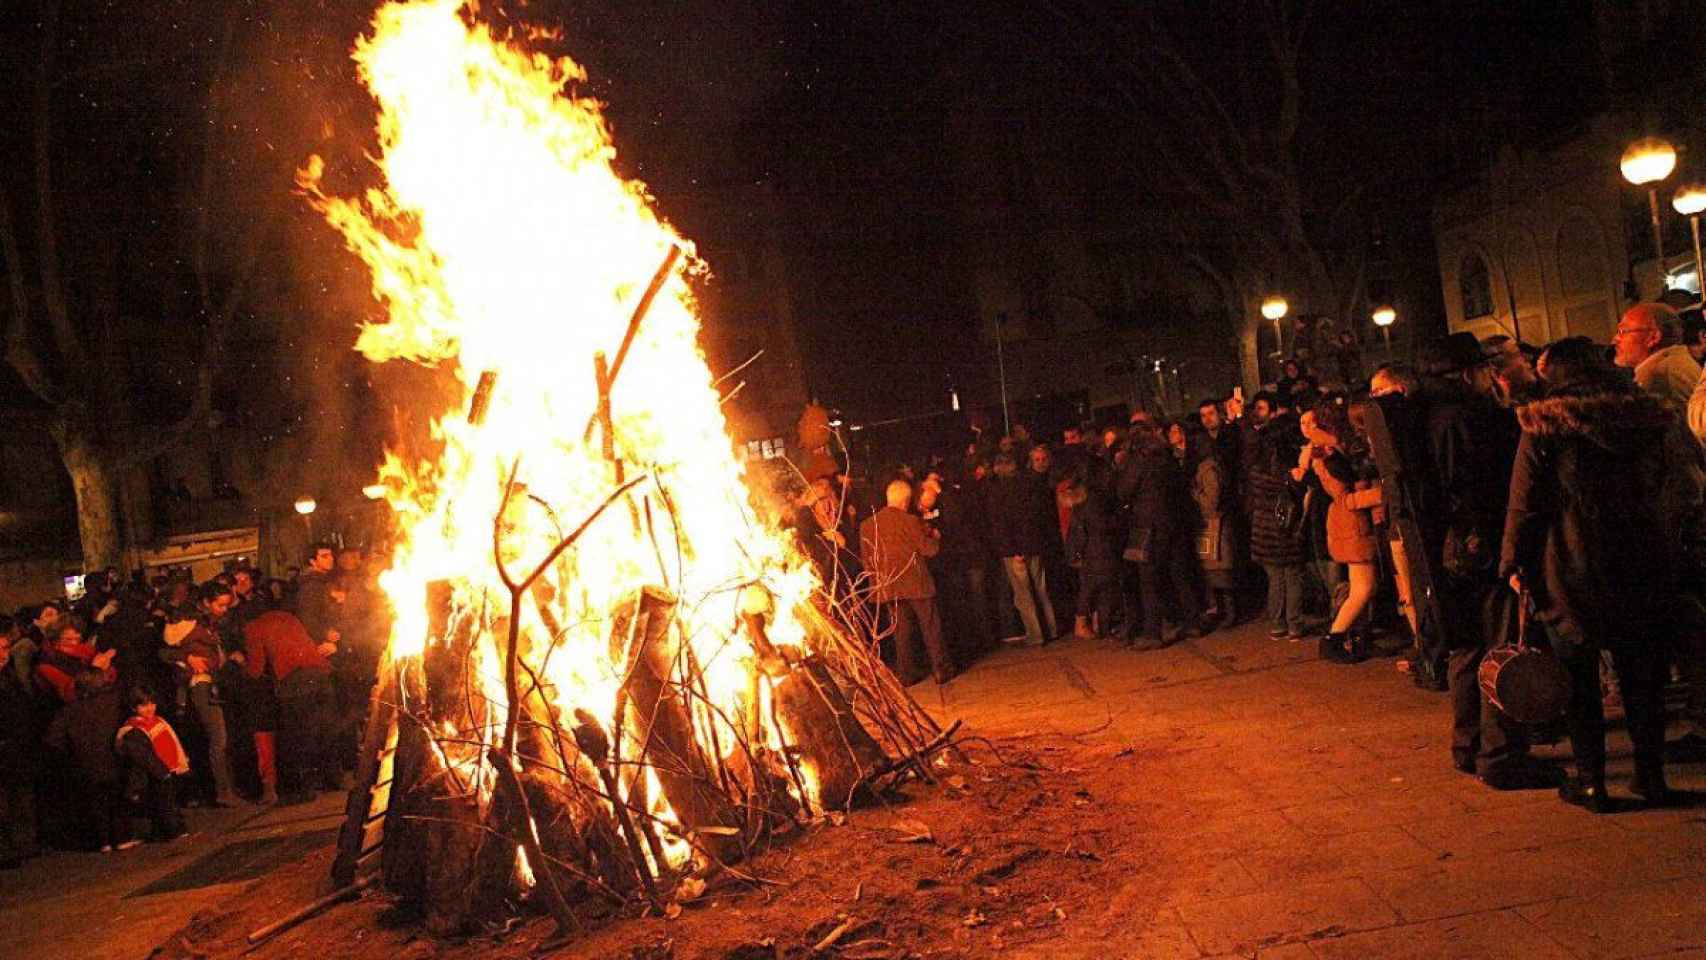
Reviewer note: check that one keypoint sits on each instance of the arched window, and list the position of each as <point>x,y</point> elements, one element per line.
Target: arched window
<point>1475,282</point>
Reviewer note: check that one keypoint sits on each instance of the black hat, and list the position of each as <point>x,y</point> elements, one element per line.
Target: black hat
<point>1450,354</point>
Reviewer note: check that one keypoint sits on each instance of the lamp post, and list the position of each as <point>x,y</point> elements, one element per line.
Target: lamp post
<point>305,506</point>
<point>1645,163</point>
<point>1275,308</point>
<point>1383,318</point>
<point>1689,201</point>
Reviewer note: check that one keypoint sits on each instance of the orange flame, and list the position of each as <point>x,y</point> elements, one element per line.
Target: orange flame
<point>502,239</point>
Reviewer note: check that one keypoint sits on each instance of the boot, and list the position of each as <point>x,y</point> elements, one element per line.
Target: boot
<point>1356,646</point>
<point>1333,648</point>
<point>1587,792</point>
<point>1650,785</point>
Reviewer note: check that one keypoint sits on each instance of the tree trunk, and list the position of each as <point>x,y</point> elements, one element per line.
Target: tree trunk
<point>95,482</point>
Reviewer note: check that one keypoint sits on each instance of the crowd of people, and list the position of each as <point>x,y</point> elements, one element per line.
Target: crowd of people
<point>146,696</point>
<point>1528,480</point>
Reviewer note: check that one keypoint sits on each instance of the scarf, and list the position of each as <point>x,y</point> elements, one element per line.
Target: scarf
<point>164,740</point>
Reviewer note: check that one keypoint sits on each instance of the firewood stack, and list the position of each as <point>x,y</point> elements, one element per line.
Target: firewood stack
<point>620,807</point>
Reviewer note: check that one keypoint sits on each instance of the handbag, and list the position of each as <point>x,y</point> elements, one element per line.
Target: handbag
<point>1528,683</point>
<point>1287,510</point>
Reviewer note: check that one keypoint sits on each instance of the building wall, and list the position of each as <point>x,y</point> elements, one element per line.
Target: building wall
<point>1549,228</point>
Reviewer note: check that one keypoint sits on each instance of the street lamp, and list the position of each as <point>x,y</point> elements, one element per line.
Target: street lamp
<point>1646,162</point>
<point>1689,201</point>
<point>1384,317</point>
<point>1275,308</point>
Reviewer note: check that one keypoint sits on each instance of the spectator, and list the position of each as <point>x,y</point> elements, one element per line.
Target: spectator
<point>276,645</point>
<point>1649,341</point>
<point>895,545</point>
<point>1694,333</point>
<point>1274,507</point>
<point>1213,491</point>
<point>314,604</point>
<point>155,758</point>
<point>1512,369</point>
<point>1159,540</point>
<point>195,649</point>
<point>1470,442</point>
<point>80,738</point>
<point>18,757</point>
<point>964,562</point>
<point>1093,549</point>
<point>1350,530</point>
<point>1590,536</point>
<point>1019,508</point>
<point>68,657</point>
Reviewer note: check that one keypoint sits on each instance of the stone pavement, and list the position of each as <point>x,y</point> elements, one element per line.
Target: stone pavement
<point>95,906</point>
<point>1292,808</point>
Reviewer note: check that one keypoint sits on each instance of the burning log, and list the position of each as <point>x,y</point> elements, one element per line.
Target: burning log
<point>645,637</point>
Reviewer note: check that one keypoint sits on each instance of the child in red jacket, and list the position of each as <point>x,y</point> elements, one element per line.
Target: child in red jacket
<point>155,758</point>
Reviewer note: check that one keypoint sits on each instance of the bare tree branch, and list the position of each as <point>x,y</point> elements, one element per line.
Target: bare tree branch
<point>66,340</point>
<point>19,353</point>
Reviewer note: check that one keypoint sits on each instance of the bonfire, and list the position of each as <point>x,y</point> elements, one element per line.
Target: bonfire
<point>609,677</point>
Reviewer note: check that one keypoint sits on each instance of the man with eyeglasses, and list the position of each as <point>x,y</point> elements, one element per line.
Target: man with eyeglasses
<point>1649,341</point>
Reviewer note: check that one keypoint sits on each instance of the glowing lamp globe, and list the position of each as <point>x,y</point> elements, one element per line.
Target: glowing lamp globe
<point>1690,199</point>
<point>1648,160</point>
<point>1385,317</point>
<point>1275,308</point>
<point>305,505</point>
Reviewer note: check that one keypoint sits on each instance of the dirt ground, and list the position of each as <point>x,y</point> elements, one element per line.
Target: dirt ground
<point>1014,849</point>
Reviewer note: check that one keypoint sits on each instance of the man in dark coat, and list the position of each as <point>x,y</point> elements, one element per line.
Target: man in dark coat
<point>1162,530</point>
<point>895,545</point>
<point>1604,480</point>
<point>1470,442</point>
<point>1019,512</point>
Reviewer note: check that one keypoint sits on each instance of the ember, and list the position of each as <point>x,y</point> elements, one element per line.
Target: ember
<point>623,695</point>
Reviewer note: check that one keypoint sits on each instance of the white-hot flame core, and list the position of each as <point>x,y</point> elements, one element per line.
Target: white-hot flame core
<point>501,239</point>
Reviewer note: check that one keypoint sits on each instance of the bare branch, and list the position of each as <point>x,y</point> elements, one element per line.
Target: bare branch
<point>19,353</point>
<point>65,337</point>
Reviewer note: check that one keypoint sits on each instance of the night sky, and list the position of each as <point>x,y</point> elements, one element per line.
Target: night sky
<point>849,110</point>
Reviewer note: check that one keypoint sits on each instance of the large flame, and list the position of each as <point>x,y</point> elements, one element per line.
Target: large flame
<point>502,240</point>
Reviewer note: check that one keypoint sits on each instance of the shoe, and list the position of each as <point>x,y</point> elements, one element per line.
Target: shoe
<point>1332,648</point>
<point>1650,786</point>
<point>1587,793</point>
<point>1522,776</point>
<point>128,845</point>
<point>269,796</point>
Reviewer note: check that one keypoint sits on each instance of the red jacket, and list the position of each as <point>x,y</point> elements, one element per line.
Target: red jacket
<point>277,639</point>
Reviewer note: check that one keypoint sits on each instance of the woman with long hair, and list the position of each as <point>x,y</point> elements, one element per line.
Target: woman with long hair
<point>1351,538</point>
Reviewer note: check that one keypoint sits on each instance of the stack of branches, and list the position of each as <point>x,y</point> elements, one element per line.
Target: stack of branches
<point>493,803</point>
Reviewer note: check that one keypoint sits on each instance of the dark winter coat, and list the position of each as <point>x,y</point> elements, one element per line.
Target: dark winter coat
<point>18,726</point>
<point>1094,537</point>
<point>1471,445</point>
<point>81,734</point>
<point>1156,492</point>
<point>1604,478</point>
<point>1267,476</point>
<point>1019,510</point>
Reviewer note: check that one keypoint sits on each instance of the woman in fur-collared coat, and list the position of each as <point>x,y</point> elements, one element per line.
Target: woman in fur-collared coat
<point>1604,480</point>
